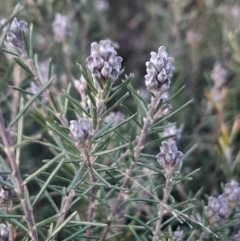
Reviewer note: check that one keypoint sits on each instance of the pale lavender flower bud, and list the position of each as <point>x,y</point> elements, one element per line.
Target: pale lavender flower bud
<point>6,193</point>
<point>80,84</point>
<point>232,193</point>
<point>61,28</point>
<point>159,71</point>
<point>14,34</point>
<point>217,210</point>
<point>4,232</point>
<point>218,75</point>
<point>178,236</point>
<point>106,70</point>
<point>80,130</point>
<point>169,157</point>
<point>103,61</point>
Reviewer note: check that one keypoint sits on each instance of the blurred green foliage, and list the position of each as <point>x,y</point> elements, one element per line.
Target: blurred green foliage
<point>195,33</point>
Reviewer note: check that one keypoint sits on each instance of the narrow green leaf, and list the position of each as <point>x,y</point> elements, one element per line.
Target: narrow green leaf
<point>48,220</point>
<point>43,168</point>
<point>23,65</point>
<point>136,95</point>
<point>77,106</point>
<point>50,68</point>
<point>66,100</point>
<point>134,233</point>
<point>138,221</point>
<point>10,52</point>
<point>20,131</point>
<point>25,40</point>
<point>38,69</point>
<point>21,90</point>
<point>190,151</point>
<point>148,156</point>
<point>63,135</point>
<point>7,184</point>
<point>53,188</point>
<point>125,139</point>
<point>111,150</point>
<point>161,128</point>
<point>92,99</point>
<point>115,105</point>
<point>89,223</point>
<point>51,201</point>
<point>160,103</point>
<point>18,224</point>
<point>120,124</point>
<point>27,198</point>
<point>128,112</point>
<point>184,203</point>
<point>124,83</point>
<point>54,103</point>
<point>8,216</point>
<point>182,178</point>
<point>172,113</point>
<point>103,129</point>
<point>150,167</point>
<point>77,233</point>
<point>177,93</point>
<point>31,41</point>
<point>76,177</point>
<point>101,178</point>
<point>143,200</point>
<point>62,225</point>
<point>155,142</point>
<point>88,78</point>
<point>107,88</point>
<point>29,103</point>
<point>48,181</point>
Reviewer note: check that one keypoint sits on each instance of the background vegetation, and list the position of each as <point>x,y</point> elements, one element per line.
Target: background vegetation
<point>197,34</point>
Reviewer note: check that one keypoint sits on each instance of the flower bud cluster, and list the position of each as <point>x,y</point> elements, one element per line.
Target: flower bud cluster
<point>14,34</point>
<point>232,194</point>
<point>159,71</point>
<point>61,28</point>
<point>4,232</point>
<point>103,61</point>
<point>80,130</point>
<point>6,192</point>
<point>169,157</point>
<point>217,210</point>
<point>178,236</point>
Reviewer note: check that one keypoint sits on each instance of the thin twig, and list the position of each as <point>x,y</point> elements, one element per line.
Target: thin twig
<point>162,208</point>
<point>32,68</point>
<point>91,206</point>
<point>137,150</point>
<point>89,160</point>
<point>67,206</point>
<point>19,189</point>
